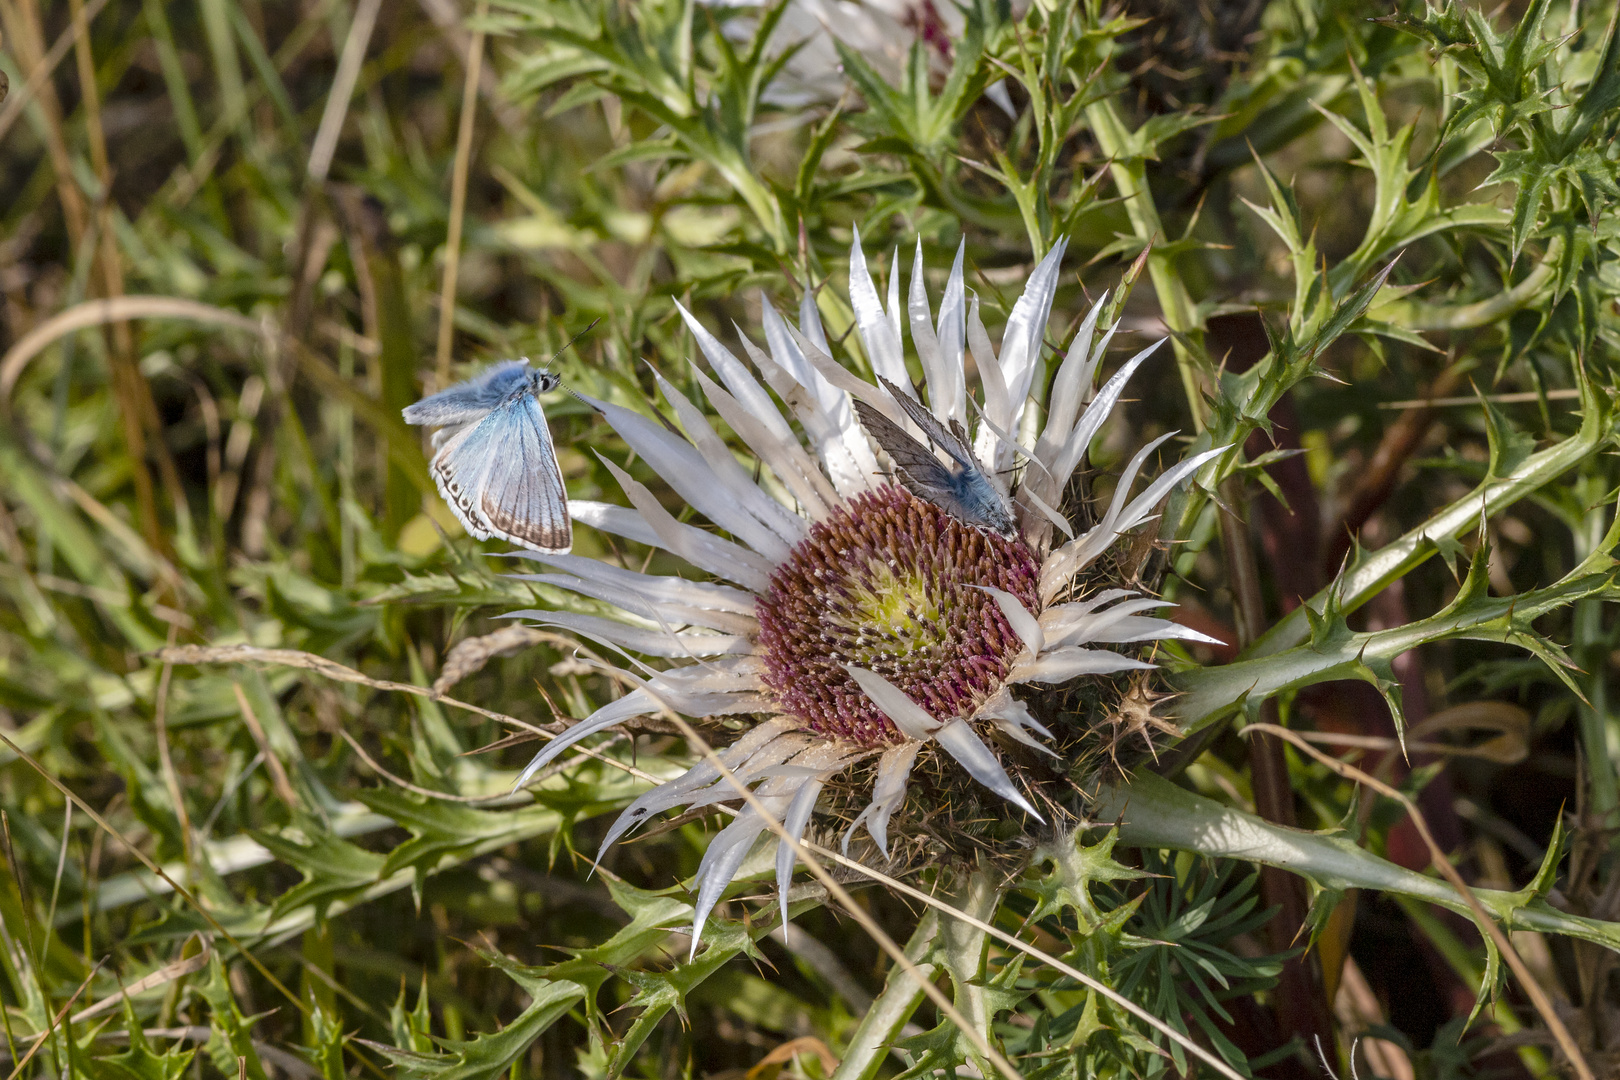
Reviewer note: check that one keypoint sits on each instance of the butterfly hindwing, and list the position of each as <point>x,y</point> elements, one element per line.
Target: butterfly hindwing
<point>523,498</point>
<point>458,471</point>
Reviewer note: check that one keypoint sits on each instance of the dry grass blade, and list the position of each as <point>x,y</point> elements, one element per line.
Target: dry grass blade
<point>458,202</point>
<point>28,45</point>
<point>1509,724</point>
<point>59,48</point>
<point>1532,988</point>
<point>278,771</point>
<point>171,779</point>
<point>469,655</point>
<point>90,94</point>
<point>1358,1009</point>
<point>1506,750</point>
<point>837,892</point>
<point>163,975</point>
<point>1518,398</point>
<point>337,102</point>
<point>104,312</point>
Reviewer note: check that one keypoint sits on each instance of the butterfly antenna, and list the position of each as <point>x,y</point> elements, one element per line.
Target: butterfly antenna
<point>565,387</point>
<point>573,339</point>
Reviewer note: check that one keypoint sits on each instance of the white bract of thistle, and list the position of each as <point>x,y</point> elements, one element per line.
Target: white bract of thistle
<point>856,619</point>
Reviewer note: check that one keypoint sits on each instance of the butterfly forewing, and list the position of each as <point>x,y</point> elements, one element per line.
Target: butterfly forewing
<point>470,401</point>
<point>941,436</point>
<point>522,498</point>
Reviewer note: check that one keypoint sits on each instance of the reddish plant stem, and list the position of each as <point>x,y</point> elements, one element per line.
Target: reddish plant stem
<point>1290,527</point>
<point>1301,1002</point>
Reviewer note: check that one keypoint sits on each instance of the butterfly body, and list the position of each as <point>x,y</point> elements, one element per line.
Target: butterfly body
<point>494,462</point>
<point>961,487</point>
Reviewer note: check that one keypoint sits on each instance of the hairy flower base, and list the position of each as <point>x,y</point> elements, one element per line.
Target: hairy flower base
<point>894,585</point>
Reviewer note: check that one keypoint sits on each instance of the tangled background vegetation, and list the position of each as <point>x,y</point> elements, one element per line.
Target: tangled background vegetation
<point>262,191</point>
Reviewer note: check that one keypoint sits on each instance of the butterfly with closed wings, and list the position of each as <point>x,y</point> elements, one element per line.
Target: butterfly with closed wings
<point>494,461</point>
<point>962,488</point>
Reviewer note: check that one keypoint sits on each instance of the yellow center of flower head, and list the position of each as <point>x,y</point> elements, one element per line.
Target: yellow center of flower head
<point>890,583</point>
<point>889,607</point>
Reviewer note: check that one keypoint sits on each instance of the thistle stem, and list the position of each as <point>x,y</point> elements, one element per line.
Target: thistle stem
<point>1129,174</point>
<point>1415,315</point>
<point>963,950</point>
<point>1375,570</point>
<point>884,1021</point>
<point>1598,735</point>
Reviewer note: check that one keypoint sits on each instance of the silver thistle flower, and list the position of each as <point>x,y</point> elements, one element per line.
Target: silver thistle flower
<point>860,620</point>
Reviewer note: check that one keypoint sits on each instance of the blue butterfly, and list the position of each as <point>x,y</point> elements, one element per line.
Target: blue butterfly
<point>494,462</point>
<point>961,489</point>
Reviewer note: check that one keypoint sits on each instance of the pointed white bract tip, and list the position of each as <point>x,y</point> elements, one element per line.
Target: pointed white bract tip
<point>959,741</point>
<point>721,861</point>
<point>1058,521</point>
<point>911,719</point>
<point>1025,625</point>
<point>793,824</point>
<point>1013,730</point>
<point>888,792</point>
<point>1014,719</point>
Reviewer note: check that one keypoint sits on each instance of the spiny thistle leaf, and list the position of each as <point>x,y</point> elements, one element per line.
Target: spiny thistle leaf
<point>488,1056</point>
<point>139,1061</point>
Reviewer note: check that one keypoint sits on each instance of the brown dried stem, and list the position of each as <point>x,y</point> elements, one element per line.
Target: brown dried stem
<point>59,48</point>
<point>278,771</point>
<point>458,201</point>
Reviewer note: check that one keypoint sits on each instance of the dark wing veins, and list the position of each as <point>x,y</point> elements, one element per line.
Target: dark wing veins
<point>919,468</point>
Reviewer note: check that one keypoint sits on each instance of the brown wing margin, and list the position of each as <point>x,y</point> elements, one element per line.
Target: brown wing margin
<point>459,496</point>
